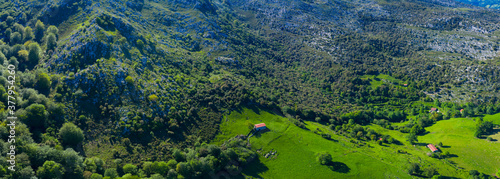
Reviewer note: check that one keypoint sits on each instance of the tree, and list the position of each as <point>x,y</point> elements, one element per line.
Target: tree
<point>52,30</point>
<point>15,38</point>
<point>50,170</point>
<point>39,29</point>
<point>70,134</point>
<point>96,176</point>
<point>147,168</point>
<point>34,53</point>
<point>28,33</point>
<point>412,138</point>
<point>324,158</point>
<point>26,173</point>
<point>43,81</point>
<point>130,168</point>
<point>429,172</point>
<point>35,116</point>
<point>414,169</point>
<point>111,173</point>
<point>157,176</point>
<point>51,41</point>
<point>184,169</point>
<point>161,167</point>
<point>172,164</point>
<point>140,44</point>
<point>179,156</point>
<point>129,80</point>
<point>2,58</point>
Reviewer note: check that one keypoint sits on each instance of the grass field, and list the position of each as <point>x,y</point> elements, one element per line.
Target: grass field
<point>379,80</point>
<point>457,135</point>
<point>297,148</point>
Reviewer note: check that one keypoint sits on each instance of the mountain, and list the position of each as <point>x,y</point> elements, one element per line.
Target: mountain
<point>483,3</point>
<point>150,83</point>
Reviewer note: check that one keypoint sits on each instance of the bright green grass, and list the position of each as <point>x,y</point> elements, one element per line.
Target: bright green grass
<point>493,118</point>
<point>381,79</point>
<point>297,148</point>
<point>457,134</point>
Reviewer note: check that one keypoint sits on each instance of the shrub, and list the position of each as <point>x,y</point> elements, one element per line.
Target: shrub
<point>489,139</point>
<point>71,134</point>
<point>324,158</point>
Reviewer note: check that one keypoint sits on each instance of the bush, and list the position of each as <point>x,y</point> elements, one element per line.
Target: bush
<point>489,139</point>
<point>50,170</point>
<point>71,134</point>
<point>324,158</point>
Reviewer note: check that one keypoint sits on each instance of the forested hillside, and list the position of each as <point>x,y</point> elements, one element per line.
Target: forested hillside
<point>140,88</point>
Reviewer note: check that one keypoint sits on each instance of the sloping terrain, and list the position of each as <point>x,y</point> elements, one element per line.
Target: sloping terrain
<point>150,80</point>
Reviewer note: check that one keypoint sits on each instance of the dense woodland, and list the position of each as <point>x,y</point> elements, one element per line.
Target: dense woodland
<point>96,74</point>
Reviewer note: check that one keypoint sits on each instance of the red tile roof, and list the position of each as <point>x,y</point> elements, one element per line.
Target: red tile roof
<point>433,109</point>
<point>260,125</point>
<point>433,149</point>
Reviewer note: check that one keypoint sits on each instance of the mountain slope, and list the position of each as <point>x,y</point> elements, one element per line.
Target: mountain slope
<point>143,78</point>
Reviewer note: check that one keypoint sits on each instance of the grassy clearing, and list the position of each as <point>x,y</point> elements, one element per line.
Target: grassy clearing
<point>469,152</point>
<point>379,80</point>
<point>297,148</point>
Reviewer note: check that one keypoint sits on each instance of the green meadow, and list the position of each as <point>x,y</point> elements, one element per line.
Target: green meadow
<point>297,148</point>
<point>457,136</point>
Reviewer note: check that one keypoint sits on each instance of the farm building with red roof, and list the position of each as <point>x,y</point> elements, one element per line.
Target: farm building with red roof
<point>259,127</point>
<point>432,148</point>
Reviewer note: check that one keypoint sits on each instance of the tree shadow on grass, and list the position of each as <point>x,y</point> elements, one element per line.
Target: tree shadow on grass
<point>255,168</point>
<point>339,167</point>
